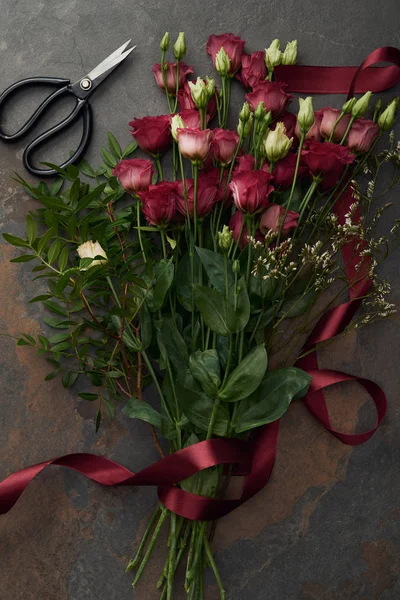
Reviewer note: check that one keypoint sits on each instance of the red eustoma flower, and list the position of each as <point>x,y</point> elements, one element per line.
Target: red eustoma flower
<point>186,101</point>
<point>135,174</point>
<point>273,94</point>
<point>244,163</point>
<point>170,75</point>
<point>326,159</point>
<point>235,225</point>
<point>272,218</point>
<point>194,143</point>
<point>224,143</point>
<point>250,190</point>
<point>207,190</point>
<point>191,118</point>
<point>329,118</point>
<point>153,134</point>
<point>233,46</point>
<point>253,69</point>
<point>314,133</point>
<point>362,135</point>
<point>159,202</point>
<point>284,171</point>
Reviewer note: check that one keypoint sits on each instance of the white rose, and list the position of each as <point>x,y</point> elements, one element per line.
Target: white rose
<point>90,250</point>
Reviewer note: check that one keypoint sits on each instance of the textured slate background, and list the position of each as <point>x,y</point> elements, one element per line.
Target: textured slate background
<point>327,526</point>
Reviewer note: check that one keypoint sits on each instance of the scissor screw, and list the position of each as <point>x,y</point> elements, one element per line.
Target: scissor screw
<point>86,84</point>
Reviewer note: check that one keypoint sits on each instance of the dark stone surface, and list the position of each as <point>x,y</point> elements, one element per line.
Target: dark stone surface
<point>327,526</point>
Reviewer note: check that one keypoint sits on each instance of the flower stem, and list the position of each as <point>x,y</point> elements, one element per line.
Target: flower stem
<point>159,168</point>
<point>214,568</point>
<point>172,557</point>
<point>136,559</point>
<point>346,133</point>
<point>150,549</point>
<point>302,138</point>
<point>195,182</point>
<point>139,229</point>
<point>340,117</point>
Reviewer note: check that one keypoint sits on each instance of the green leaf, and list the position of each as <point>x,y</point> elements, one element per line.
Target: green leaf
<point>206,370</point>
<point>108,158</point>
<point>88,396</point>
<point>98,420</point>
<point>164,277</point>
<point>139,409</point>
<point>50,233</point>
<point>217,313</point>
<point>272,399</point>
<point>53,203</point>
<point>24,258</point>
<point>59,337</point>
<point>61,346</point>
<point>130,149</point>
<point>54,307</point>
<point>56,186</point>
<point>247,376</point>
<point>298,304</point>
<point>129,339</point>
<point>69,378</point>
<point>15,241</point>
<point>57,323</point>
<point>243,306</point>
<point>54,251</point>
<point>63,258</point>
<point>86,168</point>
<point>31,229</point>
<point>174,345</point>
<point>40,298</point>
<point>52,375</point>
<point>74,191</point>
<point>146,327</point>
<point>197,406</point>
<point>214,266</point>
<point>114,145</point>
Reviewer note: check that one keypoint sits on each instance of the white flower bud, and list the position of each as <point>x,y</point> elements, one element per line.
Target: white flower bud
<point>222,62</point>
<point>244,127</point>
<point>199,93</point>
<point>289,55</point>
<point>348,106</point>
<point>360,107</point>
<point>276,143</point>
<point>305,117</point>
<point>180,46</point>
<point>386,119</point>
<point>91,249</point>
<point>164,44</point>
<point>176,123</point>
<point>273,55</point>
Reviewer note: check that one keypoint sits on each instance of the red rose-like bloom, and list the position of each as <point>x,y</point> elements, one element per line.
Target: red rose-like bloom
<point>250,190</point>
<point>191,118</point>
<point>224,143</point>
<point>244,163</point>
<point>233,46</point>
<point>235,225</point>
<point>272,218</point>
<point>159,202</point>
<point>134,174</point>
<point>194,143</point>
<point>327,159</point>
<point>329,117</point>
<point>273,94</point>
<point>284,171</point>
<point>170,75</point>
<point>186,101</point>
<point>253,69</point>
<point>153,134</point>
<point>289,120</point>
<point>361,136</point>
<point>207,190</point>
<point>314,133</point>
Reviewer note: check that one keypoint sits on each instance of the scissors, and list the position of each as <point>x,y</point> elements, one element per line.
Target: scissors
<point>82,90</point>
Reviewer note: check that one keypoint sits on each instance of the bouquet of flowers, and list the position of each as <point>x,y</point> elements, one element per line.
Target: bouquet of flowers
<point>205,283</point>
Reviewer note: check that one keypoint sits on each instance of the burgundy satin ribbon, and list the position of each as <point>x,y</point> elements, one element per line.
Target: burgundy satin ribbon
<point>257,456</point>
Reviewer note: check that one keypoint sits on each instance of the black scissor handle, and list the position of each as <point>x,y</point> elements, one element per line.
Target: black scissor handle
<point>31,81</point>
<point>81,106</point>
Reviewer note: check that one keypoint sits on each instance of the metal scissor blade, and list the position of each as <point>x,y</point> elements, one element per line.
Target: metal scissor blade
<point>103,69</point>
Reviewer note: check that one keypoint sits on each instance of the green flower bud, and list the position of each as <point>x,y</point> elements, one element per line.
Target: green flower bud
<point>199,93</point>
<point>360,107</point>
<point>244,114</point>
<point>236,266</point>
<point>276,143</point>
<point>180,46</point>
<point>386,119</point>
<point>273,55</point>
<point>244,127</point>
<point>305,117</point>
<point>210,86</point>
<point>222,62</point>
<point>176,123</point>
<point>348,106</point>
<point>260,111</point>
<point>264,124</point>
<point>289,55</point>
<point>164,44</point>
<point>225,239</point>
